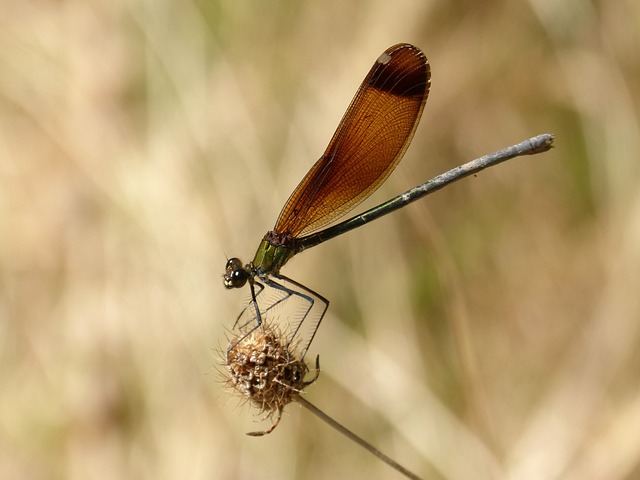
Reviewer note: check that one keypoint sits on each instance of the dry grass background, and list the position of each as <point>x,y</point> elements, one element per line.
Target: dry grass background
<point>489,331</point>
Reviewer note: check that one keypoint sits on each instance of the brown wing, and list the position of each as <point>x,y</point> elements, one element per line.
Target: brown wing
<point>369,142</point>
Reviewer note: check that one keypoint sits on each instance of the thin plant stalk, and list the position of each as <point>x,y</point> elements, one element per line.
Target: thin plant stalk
<point>355,438</point>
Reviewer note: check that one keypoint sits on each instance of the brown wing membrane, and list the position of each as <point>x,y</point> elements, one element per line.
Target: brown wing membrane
<point>369,142</point>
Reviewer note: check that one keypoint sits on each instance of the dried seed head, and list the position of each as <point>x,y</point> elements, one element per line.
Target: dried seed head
<point>266,370</point>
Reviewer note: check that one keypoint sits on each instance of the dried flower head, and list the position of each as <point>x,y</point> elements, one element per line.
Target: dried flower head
<point>267,371</point>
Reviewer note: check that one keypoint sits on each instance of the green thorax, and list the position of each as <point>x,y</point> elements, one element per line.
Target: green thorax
<point>271,255</point>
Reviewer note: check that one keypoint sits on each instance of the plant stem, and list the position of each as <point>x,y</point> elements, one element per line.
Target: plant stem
<point>355,438</point>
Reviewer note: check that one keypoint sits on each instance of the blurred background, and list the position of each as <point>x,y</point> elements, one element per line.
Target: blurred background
<point>488,331</point>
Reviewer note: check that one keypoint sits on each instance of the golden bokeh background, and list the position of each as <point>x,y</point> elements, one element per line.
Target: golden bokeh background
<point>490,331</point>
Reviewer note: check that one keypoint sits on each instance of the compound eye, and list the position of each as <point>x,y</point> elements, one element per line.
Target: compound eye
<point>239,277</point>
<point>233,264</point>
<point>236,275</point>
